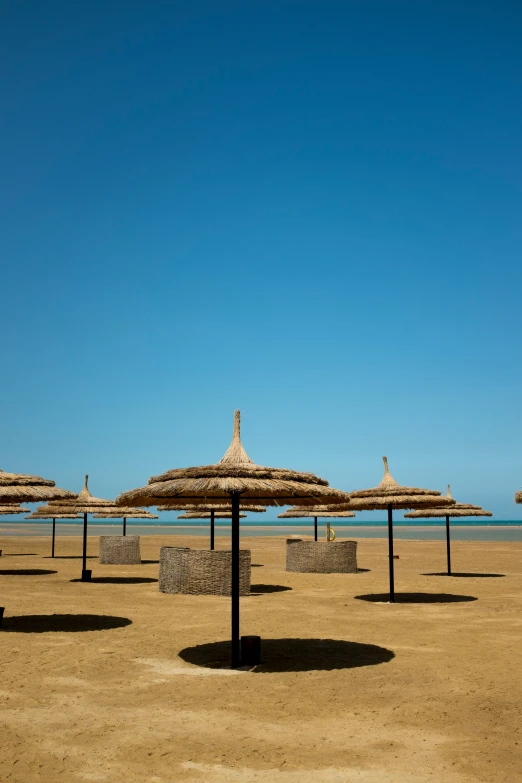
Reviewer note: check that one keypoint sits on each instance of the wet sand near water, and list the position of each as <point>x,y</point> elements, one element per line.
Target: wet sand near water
<point>116,686</point>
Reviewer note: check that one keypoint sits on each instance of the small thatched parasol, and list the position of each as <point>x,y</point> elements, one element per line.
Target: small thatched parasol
<point>518,496</point>
<point>317,512</point>
<point>389,495</point>
<point>21,488</point>
<point>126,513</point>
<point>48,512</point>
<point>217,505</point>
<point>457,510</point>
<point>234,478</point>
<point>13,508</point>
<point>206,515</point>
<point>86,504</point>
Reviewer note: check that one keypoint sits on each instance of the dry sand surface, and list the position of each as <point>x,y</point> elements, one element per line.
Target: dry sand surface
<point>354,690</point>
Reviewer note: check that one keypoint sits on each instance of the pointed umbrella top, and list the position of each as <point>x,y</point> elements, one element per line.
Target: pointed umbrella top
<point>234,473</point>
<point>22,488</point>
<point>390,493</point>
<point>85,503</point>
<point>454,510</point>
<point>236,454</point>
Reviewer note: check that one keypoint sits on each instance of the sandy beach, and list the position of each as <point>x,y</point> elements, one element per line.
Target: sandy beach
<point>349,689</point>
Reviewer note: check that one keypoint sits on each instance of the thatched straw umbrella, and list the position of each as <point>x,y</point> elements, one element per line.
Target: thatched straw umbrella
<point>317,512</point>
<point>13,508</point>
<point>389,495</point>
<point>217,505</point>
<point>518,496</point>
<point>86,504</point>
<point>126,513</point>
<point>234,478</point>
<point>206,515</point>
<point>48,512</point>
<point>21,488</point>
<point>457,510</point>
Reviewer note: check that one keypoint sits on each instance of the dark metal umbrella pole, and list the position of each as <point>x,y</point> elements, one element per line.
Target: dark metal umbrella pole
<point>124,526</point>
<point>448,544</point>
<point>212,532</point>
<point>85,573</point>
<point>315,528</point>
<point>390,553</point>
<point>54,535</point>
<point>236,651</point>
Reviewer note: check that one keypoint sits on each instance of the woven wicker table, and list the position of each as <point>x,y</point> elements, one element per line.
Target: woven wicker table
<point>201,571</point>
<point>120,550</point>
<point>321,557</point>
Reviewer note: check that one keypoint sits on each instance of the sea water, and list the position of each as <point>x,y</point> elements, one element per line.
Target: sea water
<point>497,530</point>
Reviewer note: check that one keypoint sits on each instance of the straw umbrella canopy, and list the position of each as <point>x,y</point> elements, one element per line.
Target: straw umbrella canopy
<point>217,505</point>
<point>389,495</point>
<point>457,510</point>
<point>23,488</point>
<point>518,496</point>
<point>234,478</point>
<point>48,512</point>
<point>206,515</point>
<point>126,513</point>
<point>13,508</point>
<point>317,512</point>
<point>85,504</point>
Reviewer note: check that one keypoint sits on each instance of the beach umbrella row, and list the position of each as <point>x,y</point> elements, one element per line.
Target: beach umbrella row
<point>126,513</point>
<point>453,511</point>
<point>212,508</point>
<point>390,495</point>
<point>47,512</point>
<point>234,478</point>
<point>317,512</point>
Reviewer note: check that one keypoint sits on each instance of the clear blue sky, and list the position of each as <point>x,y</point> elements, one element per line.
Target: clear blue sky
<point>307,210</point>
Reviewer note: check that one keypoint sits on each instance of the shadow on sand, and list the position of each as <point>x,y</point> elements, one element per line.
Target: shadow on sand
<point>256,565</point>
<point>26,571</point>
<point>467,576</point>
<point>19,554</point>
<point>417,598</point>
<point>74,623</point>
<point>294,655</point>
<point>259,589</point>
<point>120,580</point>
<point>149,562</point>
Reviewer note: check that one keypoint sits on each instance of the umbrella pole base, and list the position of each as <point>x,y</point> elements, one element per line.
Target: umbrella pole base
<point>86,575</point>
<point>250,650</point>
<point>2,610</point>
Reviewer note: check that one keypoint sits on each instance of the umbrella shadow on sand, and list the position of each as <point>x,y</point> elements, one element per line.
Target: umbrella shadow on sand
<point>466,576</point>
<point>44,623</point>
<point>260,589</point>
<point>120,580</point>
<point>19,554</point>
<point>26,571</point>
<point>294,655</point>
<point>417,598</point>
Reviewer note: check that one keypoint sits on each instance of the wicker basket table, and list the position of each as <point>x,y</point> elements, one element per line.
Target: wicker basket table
<point>120,550</point>
<point>321,557</point>
<point>201,571</point>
